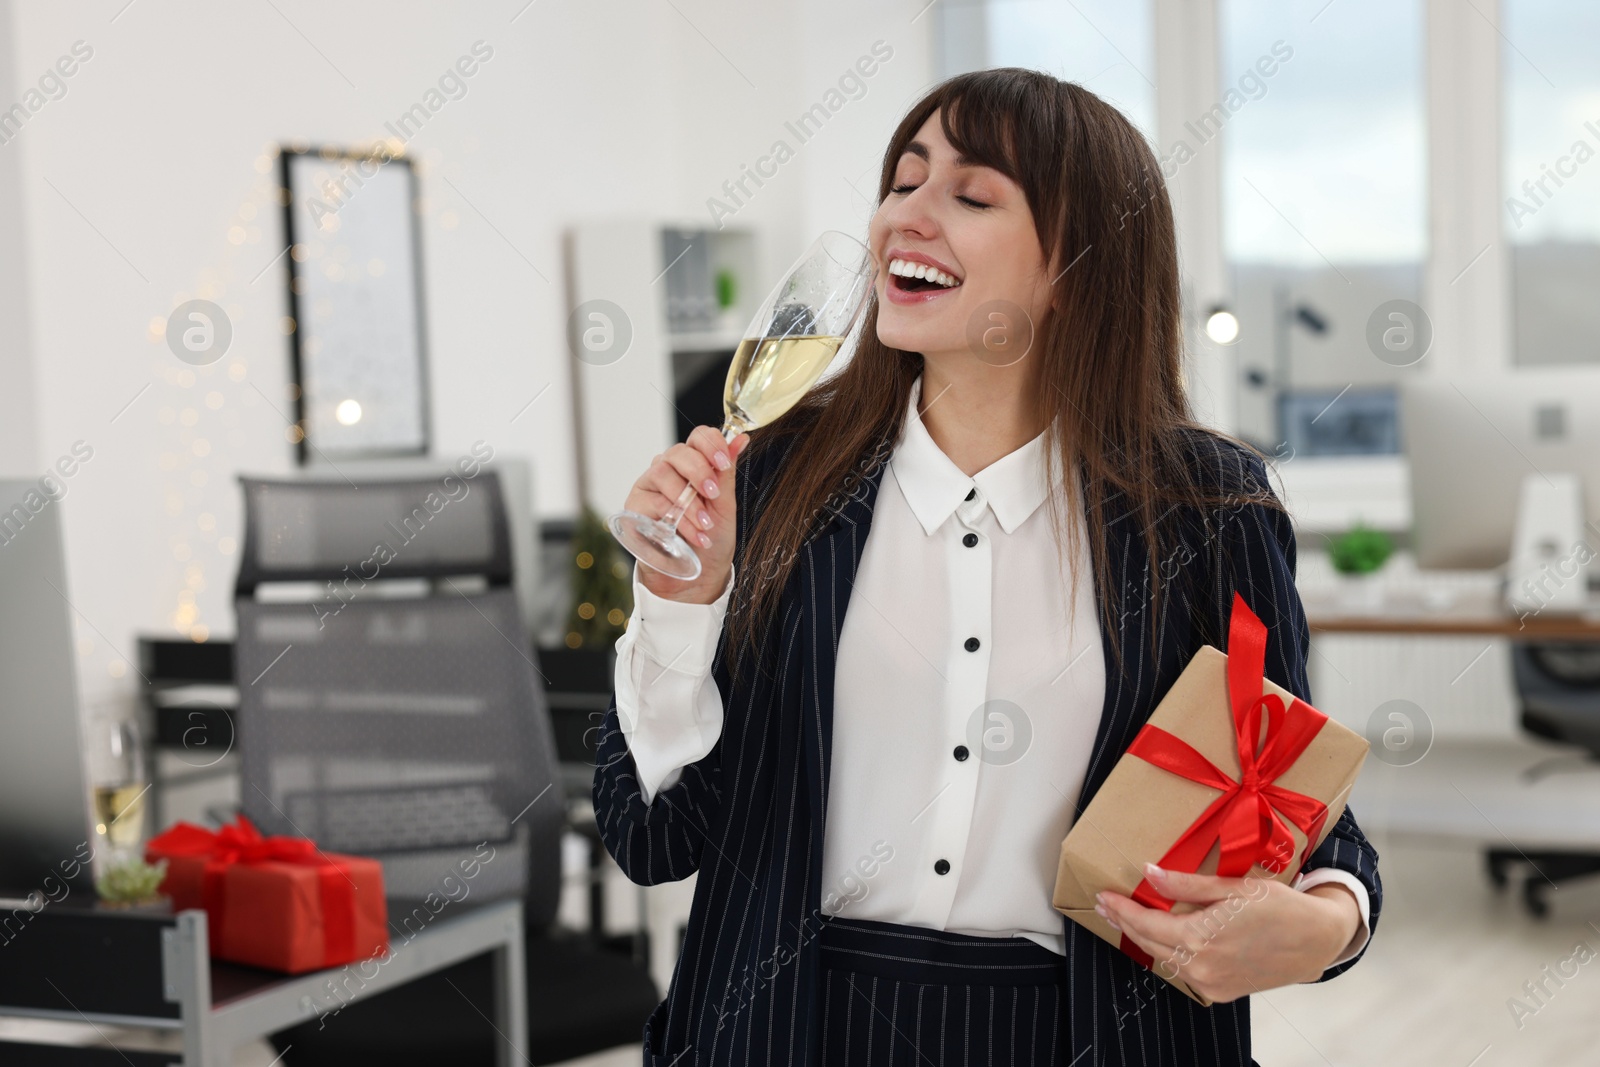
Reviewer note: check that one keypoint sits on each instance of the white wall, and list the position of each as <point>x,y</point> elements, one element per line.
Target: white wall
<point>842,162</point>
<point>17,422</point>
<point>130,183</point>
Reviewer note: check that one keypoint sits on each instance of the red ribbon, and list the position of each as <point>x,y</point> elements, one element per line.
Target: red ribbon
<point>1248,817</point>
<point>241,842</point>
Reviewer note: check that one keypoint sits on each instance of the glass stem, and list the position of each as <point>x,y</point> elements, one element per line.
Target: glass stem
<point>675,515</point>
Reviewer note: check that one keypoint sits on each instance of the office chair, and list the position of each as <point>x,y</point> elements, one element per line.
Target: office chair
<point>1559,688</point>
<point>393,709</point>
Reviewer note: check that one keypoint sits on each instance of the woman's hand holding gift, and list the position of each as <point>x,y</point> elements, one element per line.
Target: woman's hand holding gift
<point>1249,934</point>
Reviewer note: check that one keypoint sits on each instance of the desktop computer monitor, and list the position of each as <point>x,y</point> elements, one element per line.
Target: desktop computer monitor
<point>44,802</point>
<point>1471,440</point>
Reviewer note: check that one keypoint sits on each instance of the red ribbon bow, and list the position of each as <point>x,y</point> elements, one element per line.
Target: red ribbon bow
<point>1248,818</point>
<point>240,842</point>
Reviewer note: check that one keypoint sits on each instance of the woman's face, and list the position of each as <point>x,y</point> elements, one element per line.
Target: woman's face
<point>972,224</point>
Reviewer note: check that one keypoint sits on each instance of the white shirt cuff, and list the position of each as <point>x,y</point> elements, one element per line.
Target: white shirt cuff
<point>1322,876</point>
<point>667,703</point>
<point>677,635</point>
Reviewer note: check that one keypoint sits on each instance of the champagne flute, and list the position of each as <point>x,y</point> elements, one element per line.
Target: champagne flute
<point>791,340</point>
<point>117,768</point>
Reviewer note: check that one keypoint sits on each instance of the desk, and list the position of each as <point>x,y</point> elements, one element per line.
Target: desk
<point>149,969</point>
<point>1418,615</point>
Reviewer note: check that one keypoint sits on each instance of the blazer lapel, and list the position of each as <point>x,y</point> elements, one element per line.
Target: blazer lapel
<point>1129,575</point>
<point>824,579</point>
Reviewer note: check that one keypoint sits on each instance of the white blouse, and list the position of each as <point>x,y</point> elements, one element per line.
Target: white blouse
<point>968,690</point>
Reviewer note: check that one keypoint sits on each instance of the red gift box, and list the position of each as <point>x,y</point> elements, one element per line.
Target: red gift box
<point>274,902</point>
<point>1231,775</point>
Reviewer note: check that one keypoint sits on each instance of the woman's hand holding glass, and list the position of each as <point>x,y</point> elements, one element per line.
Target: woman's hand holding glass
<point>708,462</point>
<point>791,340</point>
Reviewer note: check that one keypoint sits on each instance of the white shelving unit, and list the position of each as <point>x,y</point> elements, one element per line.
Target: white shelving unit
<point>659,280</point>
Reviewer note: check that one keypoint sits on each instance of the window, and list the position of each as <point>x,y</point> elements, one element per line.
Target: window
<point>1107,46</point>
<point>1552,177</point>
<point>1324,215</point>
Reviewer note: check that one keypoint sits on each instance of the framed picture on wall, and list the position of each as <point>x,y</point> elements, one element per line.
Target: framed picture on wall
<point>359,359</point>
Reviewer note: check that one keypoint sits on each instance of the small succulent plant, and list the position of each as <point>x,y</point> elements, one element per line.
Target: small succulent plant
<point>131,882</point>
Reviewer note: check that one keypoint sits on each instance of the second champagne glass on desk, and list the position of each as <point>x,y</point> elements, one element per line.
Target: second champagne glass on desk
<point>117,768</point>
<point>791,340</point>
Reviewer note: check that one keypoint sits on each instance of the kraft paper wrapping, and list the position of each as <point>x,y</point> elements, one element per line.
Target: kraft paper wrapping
<point>1142,809</point>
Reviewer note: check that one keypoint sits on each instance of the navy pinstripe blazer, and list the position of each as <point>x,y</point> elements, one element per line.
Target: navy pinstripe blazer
<point>749,816</point>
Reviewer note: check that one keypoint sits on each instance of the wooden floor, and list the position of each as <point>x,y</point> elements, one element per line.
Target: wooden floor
<point>1433,988</point>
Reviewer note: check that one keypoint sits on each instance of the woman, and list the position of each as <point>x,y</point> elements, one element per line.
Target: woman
<point>940,596</point>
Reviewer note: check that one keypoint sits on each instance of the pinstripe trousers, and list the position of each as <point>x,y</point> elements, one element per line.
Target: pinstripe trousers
<point>904,996</point>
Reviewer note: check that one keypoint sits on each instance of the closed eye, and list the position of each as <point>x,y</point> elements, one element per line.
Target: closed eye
<point>967,200</point>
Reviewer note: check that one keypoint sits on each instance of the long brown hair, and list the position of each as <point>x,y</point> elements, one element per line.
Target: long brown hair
<point>1107,359</point>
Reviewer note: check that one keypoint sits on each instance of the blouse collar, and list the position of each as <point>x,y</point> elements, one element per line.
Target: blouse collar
<point>1013,486</point>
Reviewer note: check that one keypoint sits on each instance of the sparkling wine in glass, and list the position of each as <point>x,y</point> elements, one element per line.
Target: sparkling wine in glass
<point>117,767</point>
<point>791,340</point>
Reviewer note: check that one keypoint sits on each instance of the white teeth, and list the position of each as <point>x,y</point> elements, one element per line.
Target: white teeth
<point>906,269</point>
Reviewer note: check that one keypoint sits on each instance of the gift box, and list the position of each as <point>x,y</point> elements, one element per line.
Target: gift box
<point>274,902</point>
<point>1232,775</point>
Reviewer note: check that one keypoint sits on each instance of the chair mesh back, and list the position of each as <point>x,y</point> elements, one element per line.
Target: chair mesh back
<point>418,527</point>
<point>408,729</point>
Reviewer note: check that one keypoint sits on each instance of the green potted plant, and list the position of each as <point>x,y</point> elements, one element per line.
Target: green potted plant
<point>727,292</point>
<point>1358,555</point>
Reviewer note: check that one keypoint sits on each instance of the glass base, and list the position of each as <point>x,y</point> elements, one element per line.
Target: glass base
<point>655,545</point>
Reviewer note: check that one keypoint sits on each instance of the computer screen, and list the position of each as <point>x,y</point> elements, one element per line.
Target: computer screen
<point>44,802</point>
<point>1473,439</point>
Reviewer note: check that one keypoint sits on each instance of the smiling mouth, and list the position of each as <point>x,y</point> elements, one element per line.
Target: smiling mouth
<point>912,277</point>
